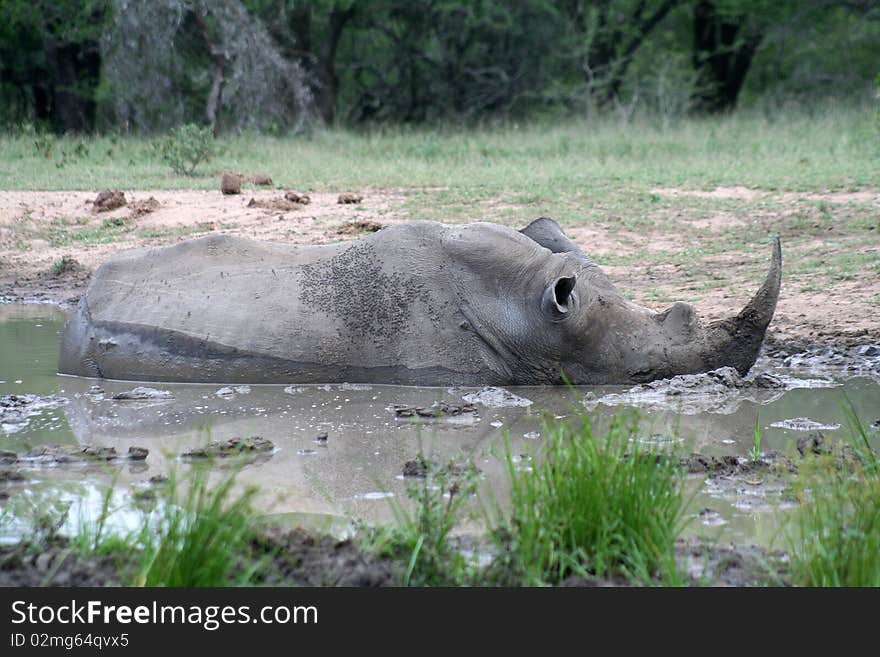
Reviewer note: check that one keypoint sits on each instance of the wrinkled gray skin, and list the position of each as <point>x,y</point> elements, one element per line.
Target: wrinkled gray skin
<point>420,303</point>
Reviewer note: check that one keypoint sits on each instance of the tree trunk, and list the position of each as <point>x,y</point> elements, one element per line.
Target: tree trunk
<point>328,79</point>
<point>66,98</point>
<point>723,53</point>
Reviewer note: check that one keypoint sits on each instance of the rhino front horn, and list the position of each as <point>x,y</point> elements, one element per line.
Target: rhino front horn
<point>736,341</point>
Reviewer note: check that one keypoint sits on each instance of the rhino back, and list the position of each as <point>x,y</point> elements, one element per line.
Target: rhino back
<point>224,308</point>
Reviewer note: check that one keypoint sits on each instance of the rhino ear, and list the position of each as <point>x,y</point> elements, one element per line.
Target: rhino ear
<point>558,298</point>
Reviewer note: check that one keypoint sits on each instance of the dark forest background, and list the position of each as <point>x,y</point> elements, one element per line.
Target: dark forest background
<point>285,65</point>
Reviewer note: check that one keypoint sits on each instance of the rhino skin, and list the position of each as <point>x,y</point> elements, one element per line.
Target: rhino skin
<point>420,303</point>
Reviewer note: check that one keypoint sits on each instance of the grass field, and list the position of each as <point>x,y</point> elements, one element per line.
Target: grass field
<point>558,163</point>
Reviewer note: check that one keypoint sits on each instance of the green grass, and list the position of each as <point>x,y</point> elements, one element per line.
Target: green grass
<point>594,504</point>
<point>199,540</point>
<point>567,167</point>
<point>834,537</point>
<point>421,539</point>
<point>755,453</point>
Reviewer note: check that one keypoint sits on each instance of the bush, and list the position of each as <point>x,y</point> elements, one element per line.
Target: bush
<point>186,147</point>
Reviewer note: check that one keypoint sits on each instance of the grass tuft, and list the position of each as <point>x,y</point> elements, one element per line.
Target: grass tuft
<point>593,505</point>
<point>198,541</point>
<point>833,539</point>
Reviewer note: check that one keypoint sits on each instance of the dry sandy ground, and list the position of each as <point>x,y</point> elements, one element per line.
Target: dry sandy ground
<point>37,229</point>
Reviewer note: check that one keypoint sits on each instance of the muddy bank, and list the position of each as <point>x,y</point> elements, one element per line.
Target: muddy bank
<point>300,558</point>
<point>281,558</point>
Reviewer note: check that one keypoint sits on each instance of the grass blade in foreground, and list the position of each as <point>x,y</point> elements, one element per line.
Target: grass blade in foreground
<point>198,542</point>
<point>593,505</point>
<point>834,538</point>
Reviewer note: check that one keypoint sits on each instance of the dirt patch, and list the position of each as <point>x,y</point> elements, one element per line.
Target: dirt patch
<point>736,192</point>
<point>37,229</point>
<point>656,262</point>
<point>57,565</point>
<point>275,204</point>
<point>349,198</point>
<point>285,558</point>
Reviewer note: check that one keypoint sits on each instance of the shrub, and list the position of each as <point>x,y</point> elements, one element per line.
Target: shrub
<point>186,147</point>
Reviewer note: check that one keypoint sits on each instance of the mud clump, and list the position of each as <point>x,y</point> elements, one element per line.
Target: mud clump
<point>420,466</point>
<point>494,397</point>
<point>228,392</point>
<point>231,447</point>
<point>142,393</point>
<point>143,207</point>
<point>804,424</point>
<point>719,391</point>
<point>230,183</point>
<point>812,444</point>
<point>357,227</point>
<point>733,466</point>
<point>436,410</point>
<point>51,454</point>
<point>108,200</point>
<point>16,410</point>
<point>66,266</point>
<point>718,465</point>
<point>348,198</point>
<point>296,197</point>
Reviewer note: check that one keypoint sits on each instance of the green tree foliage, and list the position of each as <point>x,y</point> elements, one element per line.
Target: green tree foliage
<point>50,61</point>
<point>280,64</point>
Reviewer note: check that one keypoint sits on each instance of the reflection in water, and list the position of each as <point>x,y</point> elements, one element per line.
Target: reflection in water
<point>340,449</point>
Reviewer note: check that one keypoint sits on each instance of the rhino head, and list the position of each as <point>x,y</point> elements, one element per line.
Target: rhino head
<point>591,334</point>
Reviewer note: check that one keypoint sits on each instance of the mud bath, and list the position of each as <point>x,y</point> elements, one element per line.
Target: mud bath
<point>339,451</point>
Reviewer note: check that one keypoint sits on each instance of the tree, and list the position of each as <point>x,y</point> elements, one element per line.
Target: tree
<point>169,62</point>
<point>50,61</point>
<point>610,33</point>
<point>725,42</point>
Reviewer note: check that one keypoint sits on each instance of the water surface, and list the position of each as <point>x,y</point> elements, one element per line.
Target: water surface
<point>358,471</point>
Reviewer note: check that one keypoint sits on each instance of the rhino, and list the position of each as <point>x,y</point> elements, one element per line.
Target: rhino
<point>418,303</point>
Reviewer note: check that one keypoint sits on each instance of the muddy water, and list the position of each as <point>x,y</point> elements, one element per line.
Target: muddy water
<point>357,471</point>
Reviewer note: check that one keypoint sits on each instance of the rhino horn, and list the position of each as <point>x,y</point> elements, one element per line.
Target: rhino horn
<point>736,341</point>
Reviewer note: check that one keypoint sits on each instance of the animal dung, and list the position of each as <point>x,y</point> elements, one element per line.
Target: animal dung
<point>230,183</point>
<point>347,197</point>
<point>108,200</point>
<point>296,197</point>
